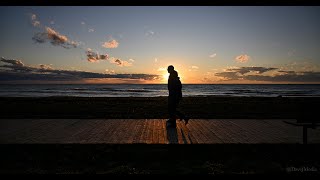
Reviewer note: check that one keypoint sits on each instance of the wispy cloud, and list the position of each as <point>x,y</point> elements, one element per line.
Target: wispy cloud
<point>287,72</point>
<point>308,76</point>
<point>243,58</point>
<point>213,55</point>
<point>83,23</point>
<point>162,69</point>
<point>110,71</point>
<point>45,67</point>
<point>292,53</point>
<point>91,30</point>
<point>156,60</point>
<point>34,20</point>
<point>55,38</point>
<point>150,33</point>
<point>228,75</point>
<point>12,61</point>
<point>244,70</point>
<point>194,67</point>
<point>119,62</point>
<point>95,56</point>
<point>280,76</point>
<point>111,44</point>
<point>15,70</point>
<point>305,65</point>
<point>36,23</point>
<point>49,34</point>
<point>132,60</point>
<point>33,17</point>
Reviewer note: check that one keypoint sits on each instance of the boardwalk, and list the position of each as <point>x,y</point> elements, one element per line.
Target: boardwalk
<point>150,131</point>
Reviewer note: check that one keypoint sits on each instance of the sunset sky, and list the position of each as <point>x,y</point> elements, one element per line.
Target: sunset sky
<point>118,44</point>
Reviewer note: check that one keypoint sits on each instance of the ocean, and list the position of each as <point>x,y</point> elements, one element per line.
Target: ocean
<point>155,90</point>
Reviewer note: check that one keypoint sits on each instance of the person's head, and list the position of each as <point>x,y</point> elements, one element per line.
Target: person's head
<point>170,69</point>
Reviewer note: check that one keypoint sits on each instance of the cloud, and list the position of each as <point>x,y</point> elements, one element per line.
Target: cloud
<point>213,55</point>
<point>15,65</point>
<point>83,23</point>
<point>244,70</point>
<point>33,17</point>
<point>280,76</point>
<point>119,62</point>
<point>45,67</point>
<point>47,73</point>
<point>149,33</point>
<point>194,67</point>
<point>51,22</point>
<point>95,56</point>
<point>55,38</point>
<point>309,76</point>
<point>243,58</point>
<point>111,44</point>
<point>305,65</point>
<point>228,75</point>
<point>12,61</point>
<point>287,72</point>
<point>110,71</point>
<point>36,23</point>
<point>155,59</point>
<point>34,20</point>
<point>91,30</point>
<point>162,69</point>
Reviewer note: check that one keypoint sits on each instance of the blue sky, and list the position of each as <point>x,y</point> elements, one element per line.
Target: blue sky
<point>206,44</point>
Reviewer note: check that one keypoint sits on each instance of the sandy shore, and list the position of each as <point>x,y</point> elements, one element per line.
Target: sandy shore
<point>156,107</point>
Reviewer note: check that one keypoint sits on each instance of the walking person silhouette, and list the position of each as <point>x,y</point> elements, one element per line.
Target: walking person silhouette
<point>175,96</point>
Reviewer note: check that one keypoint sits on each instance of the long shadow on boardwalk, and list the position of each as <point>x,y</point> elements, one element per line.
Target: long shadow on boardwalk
<point>172,136</point>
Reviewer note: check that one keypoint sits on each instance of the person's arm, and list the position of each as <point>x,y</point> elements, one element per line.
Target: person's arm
<point>171,84</point>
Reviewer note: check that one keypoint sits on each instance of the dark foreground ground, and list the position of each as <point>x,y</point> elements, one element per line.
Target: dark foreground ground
<point>156,107</point>
<point>155,158</point>
<point>115,159</point>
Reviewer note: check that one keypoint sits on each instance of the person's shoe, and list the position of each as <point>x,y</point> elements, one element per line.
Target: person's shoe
<point>171,123</point>
<point>186,120</point>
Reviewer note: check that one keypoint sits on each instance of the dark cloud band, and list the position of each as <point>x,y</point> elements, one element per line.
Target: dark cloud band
<point>15,71</point>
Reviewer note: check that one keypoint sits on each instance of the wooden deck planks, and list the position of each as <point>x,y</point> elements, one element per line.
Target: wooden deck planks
<point>151,131</point>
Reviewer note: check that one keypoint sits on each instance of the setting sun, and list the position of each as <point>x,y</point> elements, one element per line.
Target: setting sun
<point>165,76</point>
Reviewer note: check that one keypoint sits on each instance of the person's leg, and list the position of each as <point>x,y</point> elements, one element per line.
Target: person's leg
<point>172,112</point>
<point>171,108</point>
<point>181,115</point>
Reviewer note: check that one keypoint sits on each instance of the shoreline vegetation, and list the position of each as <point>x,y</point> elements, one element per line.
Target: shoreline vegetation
<point>210,107</point>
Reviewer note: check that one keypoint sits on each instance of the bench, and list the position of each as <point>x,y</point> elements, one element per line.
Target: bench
<point>307,118</point>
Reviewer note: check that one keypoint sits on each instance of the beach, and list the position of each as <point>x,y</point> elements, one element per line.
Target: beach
<point>208,107</point>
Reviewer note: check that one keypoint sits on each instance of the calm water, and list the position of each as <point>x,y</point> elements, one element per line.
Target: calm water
<point>123,90</point>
